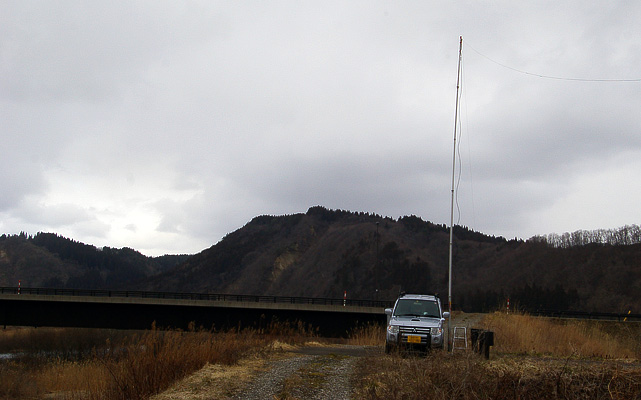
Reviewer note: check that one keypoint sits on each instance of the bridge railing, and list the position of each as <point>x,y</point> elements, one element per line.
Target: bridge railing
<point>195,296</point>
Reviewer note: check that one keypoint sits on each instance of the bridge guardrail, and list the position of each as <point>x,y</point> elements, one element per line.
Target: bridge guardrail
<point>195,296</point>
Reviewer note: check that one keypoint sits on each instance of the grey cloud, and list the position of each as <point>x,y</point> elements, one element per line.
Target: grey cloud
<point>73,50</point>
<point>164,124</point>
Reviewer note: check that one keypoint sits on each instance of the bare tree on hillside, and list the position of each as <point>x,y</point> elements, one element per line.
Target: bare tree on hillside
<point>625,235</point>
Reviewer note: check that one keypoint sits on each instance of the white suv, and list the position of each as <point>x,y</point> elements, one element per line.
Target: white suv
<point>415,321</point>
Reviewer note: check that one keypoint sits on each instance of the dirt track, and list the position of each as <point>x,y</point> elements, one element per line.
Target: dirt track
<point>313,371</point>
<point>308,372</point>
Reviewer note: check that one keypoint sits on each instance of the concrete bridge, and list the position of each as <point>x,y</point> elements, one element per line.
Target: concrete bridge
<point>139,310</point>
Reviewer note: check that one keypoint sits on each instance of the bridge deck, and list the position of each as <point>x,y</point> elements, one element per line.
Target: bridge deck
<point>139,310</point>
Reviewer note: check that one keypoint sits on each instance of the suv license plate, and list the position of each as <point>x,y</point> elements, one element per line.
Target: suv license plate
<point>413,339</point>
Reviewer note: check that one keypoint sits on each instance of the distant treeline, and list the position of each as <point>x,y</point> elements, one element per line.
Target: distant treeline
<point>98,268</point>
<point>527,298</point>
<point>625,235</point>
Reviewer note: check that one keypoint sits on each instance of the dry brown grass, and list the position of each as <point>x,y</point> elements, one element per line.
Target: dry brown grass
<point>135,365</point>
<point>72,379</point>
<point>154,361</point>
<point>16,382</point>
<point>533,358</point>
<point>49,360</point>
<point>214,381</point>
<point>466,376</point>
<point>369,335</point>
<point>66,343</point>
<point>518,333</point>
<point>127,365</point>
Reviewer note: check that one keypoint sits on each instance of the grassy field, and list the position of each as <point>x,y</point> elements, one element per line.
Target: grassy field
<point>104,365</point>
<point>523,334</point>
<point>534,358</point>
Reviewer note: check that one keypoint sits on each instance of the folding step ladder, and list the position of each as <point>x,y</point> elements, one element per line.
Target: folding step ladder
<point>459,341</point>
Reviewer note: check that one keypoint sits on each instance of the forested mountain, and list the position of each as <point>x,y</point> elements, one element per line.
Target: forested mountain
<point>326,252</point>
<point>323,253</point>
<point>49,260</point>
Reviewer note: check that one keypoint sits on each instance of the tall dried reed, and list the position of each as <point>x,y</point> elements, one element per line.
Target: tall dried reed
<point>152,362</point>
<point>520,333</point>
<point>368,335</point>
<point>16,381</point>
<point>533,358</point>
<point>125,365</point>
<point>463,376</point>
<point>42,360</point>
<point>64,343</point>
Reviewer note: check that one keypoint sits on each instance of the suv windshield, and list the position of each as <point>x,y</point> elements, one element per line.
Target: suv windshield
<point>416,308</point>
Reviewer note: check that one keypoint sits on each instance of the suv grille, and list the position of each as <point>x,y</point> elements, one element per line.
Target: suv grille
<point>418,329</point>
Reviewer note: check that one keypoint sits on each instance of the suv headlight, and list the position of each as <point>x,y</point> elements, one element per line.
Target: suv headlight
<point>393,329</point>
<point>436,331</point>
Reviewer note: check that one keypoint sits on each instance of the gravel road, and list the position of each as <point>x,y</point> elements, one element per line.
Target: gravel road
<point>316,373</point>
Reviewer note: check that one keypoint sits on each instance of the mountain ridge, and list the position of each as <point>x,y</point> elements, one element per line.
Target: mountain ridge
<point>323,253</point>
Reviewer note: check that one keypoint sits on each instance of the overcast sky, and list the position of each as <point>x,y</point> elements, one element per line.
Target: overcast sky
<point>165,125</point>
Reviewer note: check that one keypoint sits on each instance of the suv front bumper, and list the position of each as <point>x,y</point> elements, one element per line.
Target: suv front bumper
<point>413,337</point>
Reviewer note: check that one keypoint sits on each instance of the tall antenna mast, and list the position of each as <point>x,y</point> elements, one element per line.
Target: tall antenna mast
<point>449,285</point>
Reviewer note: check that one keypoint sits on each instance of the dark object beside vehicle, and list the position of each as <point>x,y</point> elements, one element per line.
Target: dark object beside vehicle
<point>482,340</point>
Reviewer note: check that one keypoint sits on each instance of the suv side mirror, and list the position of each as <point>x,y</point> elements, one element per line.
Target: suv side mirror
<point>388,312</point>
<point>446,314</point>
